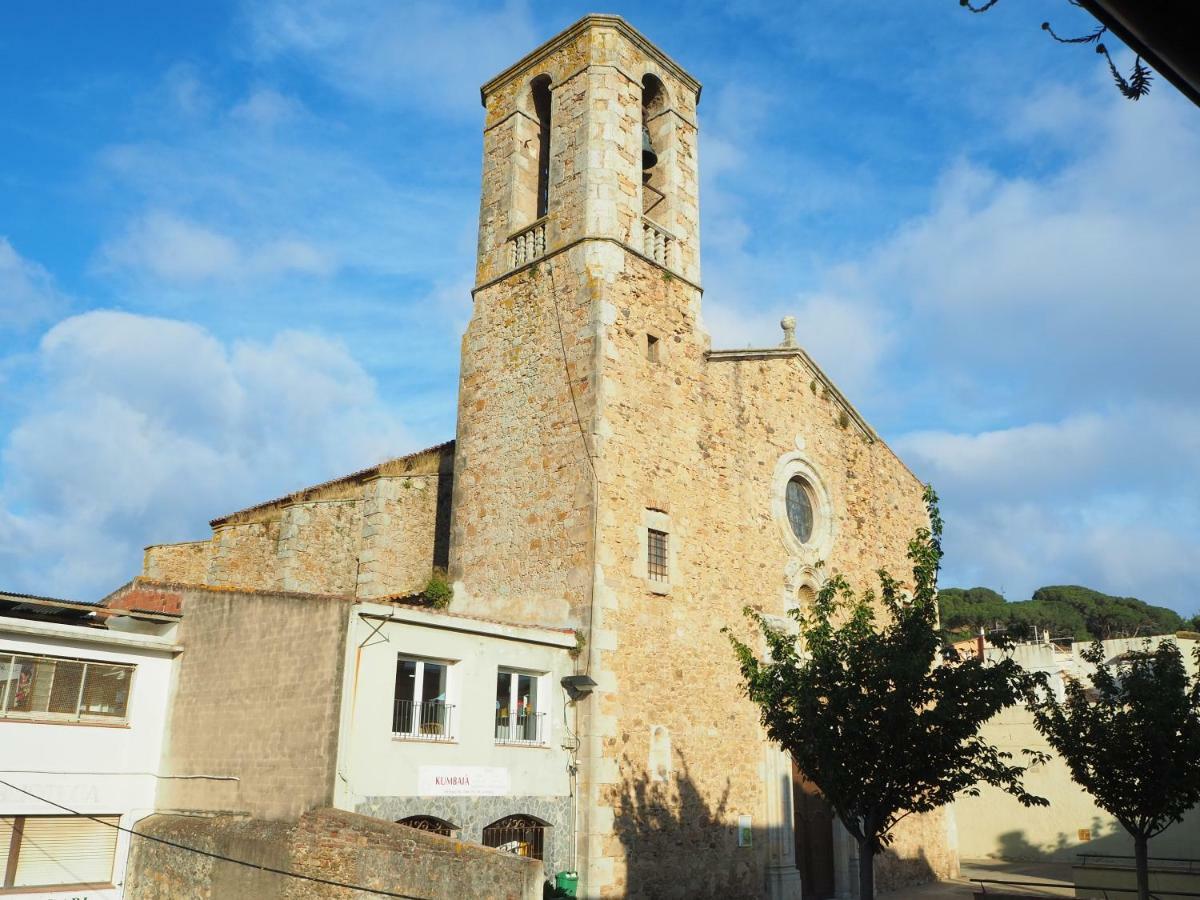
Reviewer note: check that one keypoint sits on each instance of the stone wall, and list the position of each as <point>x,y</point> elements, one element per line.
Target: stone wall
<point>257,697</point>
<point>327,844</point>
<point>375,533</point>
<point>473,814</point>
<point>185,563</point>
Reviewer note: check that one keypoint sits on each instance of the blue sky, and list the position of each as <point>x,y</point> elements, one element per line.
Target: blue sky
<point>236,248</point>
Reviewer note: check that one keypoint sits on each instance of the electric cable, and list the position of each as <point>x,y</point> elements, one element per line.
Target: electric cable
<point>229,859</point>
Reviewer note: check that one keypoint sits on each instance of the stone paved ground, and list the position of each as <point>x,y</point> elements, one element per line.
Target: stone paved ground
<point>1057,874</point>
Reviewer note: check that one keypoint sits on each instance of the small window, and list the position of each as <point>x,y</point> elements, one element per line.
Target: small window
<point>430,823</point>
<point>58,689</point>
<point>519,717</point>
<point>519,835</point>
<point>57,851</point>
<point>800,508</point>
<point>656,555</point>
<point>652,345</point>
<point>420,709</point>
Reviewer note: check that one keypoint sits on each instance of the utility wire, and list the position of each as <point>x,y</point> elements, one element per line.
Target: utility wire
<point>228,859</point>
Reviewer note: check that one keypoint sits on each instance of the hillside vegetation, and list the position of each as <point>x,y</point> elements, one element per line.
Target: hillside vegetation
<point>1066,611</point>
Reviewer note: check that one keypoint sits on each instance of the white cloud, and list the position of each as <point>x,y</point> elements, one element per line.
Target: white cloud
<point>170,248</point>
<point>27,291</point>
<point>1104,499</point>
<point>148,427</point>
<point>266,108</point>
<point>382,51</point>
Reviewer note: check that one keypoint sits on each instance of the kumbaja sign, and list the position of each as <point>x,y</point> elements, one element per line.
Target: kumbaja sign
<point>462,781</point>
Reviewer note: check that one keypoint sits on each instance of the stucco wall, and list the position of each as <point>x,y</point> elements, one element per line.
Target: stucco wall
<point>329,844</point>
<point>98,770</point>
<point>257,695</point>
<point>382,771</point>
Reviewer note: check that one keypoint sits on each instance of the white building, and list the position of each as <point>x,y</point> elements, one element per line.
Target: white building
<point>83,703</point>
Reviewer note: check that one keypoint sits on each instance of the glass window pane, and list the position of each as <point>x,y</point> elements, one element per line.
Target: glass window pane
<point>503,701</point>
<point>799,509</point>
<point>64,689</point>
<point>8,681</point>
<point>106,690</point>
<point>433,687</point>
<point>403,718</point>
<point>31,687</point>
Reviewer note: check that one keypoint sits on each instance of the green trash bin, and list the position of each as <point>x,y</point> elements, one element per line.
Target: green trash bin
<point>567,883</point>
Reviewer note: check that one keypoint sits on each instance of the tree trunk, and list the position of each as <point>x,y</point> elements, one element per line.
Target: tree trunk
<point>1141,852</point>
<point>866,871</point>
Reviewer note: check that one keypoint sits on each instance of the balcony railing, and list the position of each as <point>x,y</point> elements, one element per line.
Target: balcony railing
<point>523,728</point>
<point>527,244</point>
<point>430,720</point>
<point>658,243</point>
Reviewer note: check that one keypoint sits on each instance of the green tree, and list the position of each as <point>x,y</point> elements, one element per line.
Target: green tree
<point>1132,741</point>
<point>869,712</point>
<point>965,611</point>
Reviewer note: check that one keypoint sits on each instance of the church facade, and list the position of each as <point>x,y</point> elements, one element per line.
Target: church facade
<point>614,475</point>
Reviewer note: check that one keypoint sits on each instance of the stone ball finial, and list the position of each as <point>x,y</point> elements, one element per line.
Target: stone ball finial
<point>788,324</point>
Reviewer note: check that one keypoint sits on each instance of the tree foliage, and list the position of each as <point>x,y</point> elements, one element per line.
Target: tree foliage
<point>881,716</point>
<point>1131,739</point>
<point>1072,611</point>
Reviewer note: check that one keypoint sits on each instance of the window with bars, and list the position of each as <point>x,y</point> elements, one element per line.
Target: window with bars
<point>519,835</point>
<point>57,851</point>
<point>656,555</point>
<point>62,689</point>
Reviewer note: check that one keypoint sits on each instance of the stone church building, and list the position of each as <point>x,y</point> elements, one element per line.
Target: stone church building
<point>615,475</point>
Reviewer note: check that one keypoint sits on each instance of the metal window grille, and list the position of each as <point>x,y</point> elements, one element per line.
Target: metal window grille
<point>430,823</point>
<point>519,835</point>
<point>430,720</point>
<point>48,687</point>
<point>520,728</point>
<point>656,555</point>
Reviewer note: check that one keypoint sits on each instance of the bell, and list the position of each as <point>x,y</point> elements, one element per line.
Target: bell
<point>649,157</point>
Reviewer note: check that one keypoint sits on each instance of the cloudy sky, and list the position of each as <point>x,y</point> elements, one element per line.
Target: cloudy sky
<point>236,248</point>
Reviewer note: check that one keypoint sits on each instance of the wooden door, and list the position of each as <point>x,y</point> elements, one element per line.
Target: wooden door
<point>814,837</point>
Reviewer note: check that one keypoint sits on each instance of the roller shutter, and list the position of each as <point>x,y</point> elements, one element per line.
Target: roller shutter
<point>66,850</point>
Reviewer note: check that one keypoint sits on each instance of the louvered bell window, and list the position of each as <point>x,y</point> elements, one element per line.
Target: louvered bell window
<point>46,851</point>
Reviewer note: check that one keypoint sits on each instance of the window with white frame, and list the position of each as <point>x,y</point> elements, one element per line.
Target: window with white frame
<point>420,710</point>
<point>57,851</point>
<point>63,689</point>
<point>520,718</point>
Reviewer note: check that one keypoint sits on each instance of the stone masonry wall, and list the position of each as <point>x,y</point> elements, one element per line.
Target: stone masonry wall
<point>375,533</point>
<point>328,844</point>
<point>522,494</point>
<point>246,556</point>
<point>405,533</point>
<point>185,563</point>
<point>700,441</point>
<point>319,546</point>
<point>257,697</point>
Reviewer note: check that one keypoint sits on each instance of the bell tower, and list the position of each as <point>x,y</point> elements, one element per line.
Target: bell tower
<point>589,186</point>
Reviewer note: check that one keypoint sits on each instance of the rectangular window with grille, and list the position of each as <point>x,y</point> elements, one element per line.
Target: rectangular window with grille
<point>57,851</point>
<point>656,555</point>
<point>60,689</point>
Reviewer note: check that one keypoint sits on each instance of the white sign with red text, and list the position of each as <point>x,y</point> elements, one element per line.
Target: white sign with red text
<point>462,781</point>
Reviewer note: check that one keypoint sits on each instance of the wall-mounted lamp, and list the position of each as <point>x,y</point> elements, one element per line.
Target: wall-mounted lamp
<point>578,685</point>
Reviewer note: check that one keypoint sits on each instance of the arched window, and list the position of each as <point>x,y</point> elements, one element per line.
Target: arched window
<point>654,102</point>
<point>540,89</point>
<point>521,835</point>
<point>430,823</point>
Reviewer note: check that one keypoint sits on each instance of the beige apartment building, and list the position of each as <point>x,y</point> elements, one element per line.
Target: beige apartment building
<point>615,476</point>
